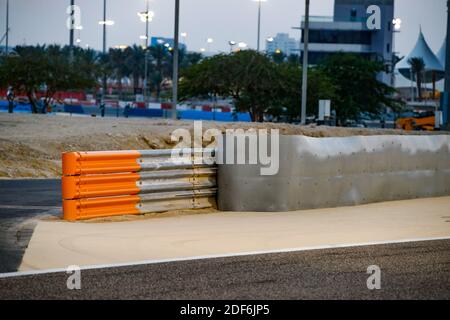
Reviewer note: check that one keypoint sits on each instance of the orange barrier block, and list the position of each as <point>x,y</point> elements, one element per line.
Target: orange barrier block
<point>80,209</point>
<point>75,163</point>
<point>102,185</point>
<point>98,184</point>
<point>110,183</point>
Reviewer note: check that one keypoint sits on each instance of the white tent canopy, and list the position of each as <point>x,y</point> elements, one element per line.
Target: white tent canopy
<point>441,53</point>
<point>432,64</point>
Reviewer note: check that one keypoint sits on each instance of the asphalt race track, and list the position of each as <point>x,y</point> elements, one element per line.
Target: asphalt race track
<point>21,201</point>
<point>418,270</point>
<point>413,270</point>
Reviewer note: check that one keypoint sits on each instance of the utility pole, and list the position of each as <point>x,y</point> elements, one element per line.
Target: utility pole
<point>146,55</point>
<point>175,60</point>
<point>104,49</point>
<point>305,64</point>
<point>104,26</point>
<point>72,27</point>
<point>447,69</point>
<point>7,26</point>
<point>71,30</point>
<point>259,26</point>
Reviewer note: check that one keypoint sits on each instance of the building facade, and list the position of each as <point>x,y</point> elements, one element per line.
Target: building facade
<point>348,31</point>
<point>168,42</point>
<point>283,43</point>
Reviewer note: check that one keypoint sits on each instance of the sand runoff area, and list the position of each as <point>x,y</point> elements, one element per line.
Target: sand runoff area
<point>58,244</point>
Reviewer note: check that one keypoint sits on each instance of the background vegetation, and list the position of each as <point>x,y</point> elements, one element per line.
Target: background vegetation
<point>268,87</point>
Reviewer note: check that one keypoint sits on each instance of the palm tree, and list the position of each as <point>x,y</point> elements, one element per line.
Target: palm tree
<point>189,59</point>
<point>119,68</point>
<point>135,60</point>
<point>418,67</point>
<point>162,62</point>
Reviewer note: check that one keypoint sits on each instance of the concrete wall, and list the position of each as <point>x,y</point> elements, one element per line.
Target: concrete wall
<point>330,172</point>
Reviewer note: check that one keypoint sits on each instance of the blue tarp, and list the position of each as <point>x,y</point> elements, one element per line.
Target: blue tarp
<point>18,107</point>
<point>150,113</point>
<point>74,109</point>
<point>214,116</point>
<point>153,113</point>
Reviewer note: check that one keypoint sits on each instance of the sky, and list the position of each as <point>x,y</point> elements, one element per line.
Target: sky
<point>44,21</point>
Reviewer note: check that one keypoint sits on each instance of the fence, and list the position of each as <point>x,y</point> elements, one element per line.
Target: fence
<point>136,112</point>
<point>99,184</point>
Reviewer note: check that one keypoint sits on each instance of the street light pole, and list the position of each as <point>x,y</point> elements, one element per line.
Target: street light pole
<point>305,64</point>
<point>146,55</point>
<point>259,25</point>
<point>447,67</point>
<point>104,49</point>
<point>7,26</point>
<point>104,26</point>
<point>175,60</point>
<point>71,30</point>
<point>232,44</point>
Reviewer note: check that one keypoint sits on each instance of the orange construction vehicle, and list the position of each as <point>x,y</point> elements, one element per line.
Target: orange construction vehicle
<point>417,121</point>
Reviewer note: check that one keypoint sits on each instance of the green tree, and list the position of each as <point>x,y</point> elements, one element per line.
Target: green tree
<point>119,69</point>
<point>24,71</point>
<point>250,78</point>
<point>320,87</point>
<point>46,70</point>
<point>278,56</point>
<point>63,73</point>
<point>135,60</point>
<point>189,59</point>
<point>161,63</point>
<point>293,58</point>
<point>357,88</point>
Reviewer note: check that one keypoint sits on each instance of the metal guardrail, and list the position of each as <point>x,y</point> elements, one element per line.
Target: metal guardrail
<point>99,184</point>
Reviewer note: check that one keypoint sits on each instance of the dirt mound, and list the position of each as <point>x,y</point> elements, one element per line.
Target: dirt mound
<point>31,145</point>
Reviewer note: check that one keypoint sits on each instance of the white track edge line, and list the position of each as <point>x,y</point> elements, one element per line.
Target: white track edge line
<point>218,256</point>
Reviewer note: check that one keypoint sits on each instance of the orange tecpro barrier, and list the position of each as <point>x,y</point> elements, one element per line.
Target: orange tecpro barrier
<point>110,183</point>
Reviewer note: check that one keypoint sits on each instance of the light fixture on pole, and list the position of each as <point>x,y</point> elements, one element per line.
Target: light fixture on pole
<point>269,44</point>
<point>78,28</point>
<point>232,44</point>
<point>305,64</point>
<point>71,29</point>
<point>209,41</point>
<point>184,37</point>
<point>175,59</point>
<point>7,26</point>
<point>242,45</point>
<point>259,23</point>
<point>146,17</point>
<point>104,23</point>
<point>397,22</point>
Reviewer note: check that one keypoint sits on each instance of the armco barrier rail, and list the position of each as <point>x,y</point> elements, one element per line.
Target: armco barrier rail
<point>99,184</point>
